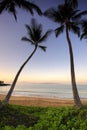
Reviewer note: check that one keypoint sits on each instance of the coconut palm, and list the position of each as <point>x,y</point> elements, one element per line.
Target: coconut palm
<point>10,6</point>
<point>64,16</point>
<point>35,37</point>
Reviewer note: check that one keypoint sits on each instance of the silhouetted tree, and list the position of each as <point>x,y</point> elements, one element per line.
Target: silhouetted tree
<point>35,37</point>
<point>64,15</point>
<point>10,6</point>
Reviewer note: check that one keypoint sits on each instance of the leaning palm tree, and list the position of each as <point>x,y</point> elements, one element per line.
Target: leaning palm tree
<point>10,6</point>
<point>35,37</point>
<point>64,15</point>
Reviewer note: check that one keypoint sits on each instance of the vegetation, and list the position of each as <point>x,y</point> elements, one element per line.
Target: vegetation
<point>14,117</point>
<point>11,116</point>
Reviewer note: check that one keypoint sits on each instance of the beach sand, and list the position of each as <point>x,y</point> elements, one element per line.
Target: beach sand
<point>39,101</point>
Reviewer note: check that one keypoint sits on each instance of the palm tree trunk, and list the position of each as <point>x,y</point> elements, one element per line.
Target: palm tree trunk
<point>73,80</point>
<point>6,100</point>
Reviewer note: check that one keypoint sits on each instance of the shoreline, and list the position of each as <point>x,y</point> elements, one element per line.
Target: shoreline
<point>41,101</point>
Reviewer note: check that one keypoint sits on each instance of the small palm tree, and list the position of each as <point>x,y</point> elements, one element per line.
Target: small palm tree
<point>35,37</point>
<point>64,15</point>
<point>10,6</point>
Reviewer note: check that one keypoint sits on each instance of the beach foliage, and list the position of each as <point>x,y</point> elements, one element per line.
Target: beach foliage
<point>43,118</point>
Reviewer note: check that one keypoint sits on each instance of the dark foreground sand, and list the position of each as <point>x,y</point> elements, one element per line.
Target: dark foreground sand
<point>39,101</point>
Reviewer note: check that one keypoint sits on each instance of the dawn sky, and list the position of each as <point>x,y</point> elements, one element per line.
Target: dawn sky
<point>50,66</point>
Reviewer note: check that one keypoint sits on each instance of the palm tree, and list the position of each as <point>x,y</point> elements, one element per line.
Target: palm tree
<point>64,15</point>
<point>10,6</point>
<point>35,37</point>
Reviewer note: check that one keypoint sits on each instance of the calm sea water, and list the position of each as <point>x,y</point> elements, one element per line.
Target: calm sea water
<point>45,90</point>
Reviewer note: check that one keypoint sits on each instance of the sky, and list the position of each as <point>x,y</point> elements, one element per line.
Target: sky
<point>52,66</point>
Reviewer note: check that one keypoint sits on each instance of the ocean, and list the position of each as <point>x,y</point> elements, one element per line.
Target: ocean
<point>49,90</point>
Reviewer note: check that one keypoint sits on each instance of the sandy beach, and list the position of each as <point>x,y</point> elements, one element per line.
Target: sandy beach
<point>39,101</point>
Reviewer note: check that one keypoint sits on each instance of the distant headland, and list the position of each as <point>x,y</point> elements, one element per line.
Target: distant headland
<point>3,84</point>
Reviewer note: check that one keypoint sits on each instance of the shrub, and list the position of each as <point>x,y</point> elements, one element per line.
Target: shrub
<point>41,118</point>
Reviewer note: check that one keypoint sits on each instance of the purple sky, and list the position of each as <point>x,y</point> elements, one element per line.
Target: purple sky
<point>50,66</point>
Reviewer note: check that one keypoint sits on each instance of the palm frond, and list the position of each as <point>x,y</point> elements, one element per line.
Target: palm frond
<point>43,48</point>
<point>84,35</point>
<point>29,6</point>
<point>36,8</point>
<point>29,30</point>
<point>73,3</point>
<point>59,30</point>
<point>8,6</point>
<point>13,10</point>
<point>27,40</point>
<point>74,13</point>
<point>36,30</point>
<point>26,5</point>
<point>84,29</point>
<point>80,14</point>
<point>3,5</point>
<point>45,36</point>
<point>84,25</point>
<point>49,13</point>
<point>53,14</point>
<point>35,26</point>
<point>75,28</point>
<point>75,17</point>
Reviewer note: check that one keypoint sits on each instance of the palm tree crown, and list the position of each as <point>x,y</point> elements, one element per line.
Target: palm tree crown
<point>35,34</point>
<point>64,14</point>
<point>10,6</point>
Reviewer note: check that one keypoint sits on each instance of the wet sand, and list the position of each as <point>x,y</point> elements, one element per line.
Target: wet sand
<point>41,101</point>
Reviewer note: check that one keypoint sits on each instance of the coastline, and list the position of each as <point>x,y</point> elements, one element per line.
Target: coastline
<point>41,101</point>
